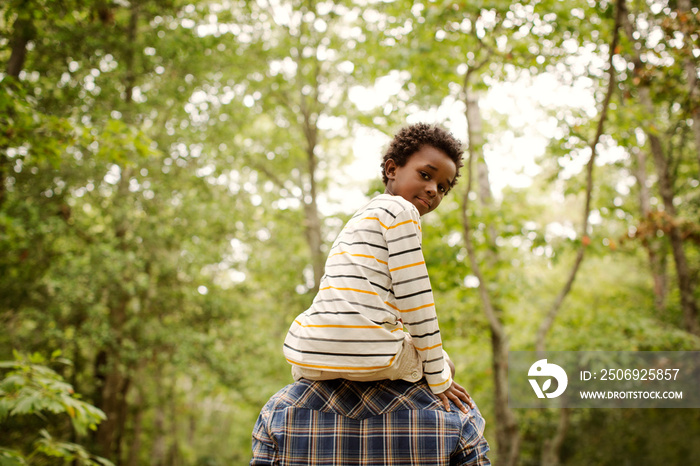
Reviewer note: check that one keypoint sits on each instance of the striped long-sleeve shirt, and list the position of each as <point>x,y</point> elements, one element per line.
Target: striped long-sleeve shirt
<point>375,285</point>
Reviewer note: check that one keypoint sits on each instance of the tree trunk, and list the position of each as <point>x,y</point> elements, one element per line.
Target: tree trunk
<point>191,427</point>
<point>551,450</point>
<point>507,435</point>
<point>476,144</point>
<point>314,237</point>
<point>114,406</point>
<point>685,284</point>
<point>116,382</point>
<point>114,389</point>
<point>691,70</point>
<point>174,450</point>
<point>135,447</point>
<point>312,223</point>
<point>23,31</point>
<point>309,109</point>
<point>665,183</point>
<point>130,76</point>
<point>159,450</point>
<point>655,251</point>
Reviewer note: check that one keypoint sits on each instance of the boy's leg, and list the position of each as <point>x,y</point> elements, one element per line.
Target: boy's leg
<point>407,366</point>
<point>313,374</point>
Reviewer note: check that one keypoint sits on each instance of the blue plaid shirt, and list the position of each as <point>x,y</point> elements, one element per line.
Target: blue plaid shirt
<point>339,422</point>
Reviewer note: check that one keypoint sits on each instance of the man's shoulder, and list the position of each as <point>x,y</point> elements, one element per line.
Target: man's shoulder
<point>357,400</point>
<point>295,394</point>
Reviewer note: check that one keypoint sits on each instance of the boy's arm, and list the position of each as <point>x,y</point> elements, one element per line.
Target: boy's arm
<point>414,296</point>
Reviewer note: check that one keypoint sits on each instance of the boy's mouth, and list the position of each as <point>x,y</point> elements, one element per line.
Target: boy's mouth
<point>426,203</point>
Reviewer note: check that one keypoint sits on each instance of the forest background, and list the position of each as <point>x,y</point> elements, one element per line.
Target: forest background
<point>172,174</point>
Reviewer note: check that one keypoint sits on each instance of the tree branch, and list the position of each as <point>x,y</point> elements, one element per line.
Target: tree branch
<point>548,321</point>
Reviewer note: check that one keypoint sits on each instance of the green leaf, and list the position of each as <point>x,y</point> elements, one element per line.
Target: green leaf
<point>10,457</point>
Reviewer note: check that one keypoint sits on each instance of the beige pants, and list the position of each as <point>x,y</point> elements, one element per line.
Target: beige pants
<point>407,366</point>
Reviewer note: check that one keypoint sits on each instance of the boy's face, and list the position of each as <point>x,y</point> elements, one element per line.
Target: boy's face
<point>424,180</point>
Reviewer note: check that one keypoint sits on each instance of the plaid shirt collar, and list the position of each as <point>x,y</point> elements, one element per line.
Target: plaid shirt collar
<point>359,400</point>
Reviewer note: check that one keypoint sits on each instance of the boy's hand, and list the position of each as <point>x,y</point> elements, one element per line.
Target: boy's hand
<point>456,393</point>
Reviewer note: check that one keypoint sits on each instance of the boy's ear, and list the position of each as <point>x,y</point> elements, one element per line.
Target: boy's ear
<point>390,168</point>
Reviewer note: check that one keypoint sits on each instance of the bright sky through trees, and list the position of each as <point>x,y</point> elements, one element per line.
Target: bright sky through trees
<point>523,105</point>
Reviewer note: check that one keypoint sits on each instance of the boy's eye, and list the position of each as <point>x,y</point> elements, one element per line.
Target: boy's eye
<point>442,189</point>
<point>424,175</point>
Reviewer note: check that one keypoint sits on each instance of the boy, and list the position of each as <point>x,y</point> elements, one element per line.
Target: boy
<point>376,283</point>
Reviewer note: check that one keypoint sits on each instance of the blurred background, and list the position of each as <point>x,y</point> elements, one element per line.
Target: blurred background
<point>172,174</point>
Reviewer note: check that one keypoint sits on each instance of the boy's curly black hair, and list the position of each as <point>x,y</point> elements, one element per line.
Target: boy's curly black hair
<point>410,139</point>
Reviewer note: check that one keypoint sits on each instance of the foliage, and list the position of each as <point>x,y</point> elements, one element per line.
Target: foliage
<point>165,165</point>
<point>30,388</point>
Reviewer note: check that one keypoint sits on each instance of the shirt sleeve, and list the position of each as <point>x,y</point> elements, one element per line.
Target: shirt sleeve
<point>414,296</point>
<point>472,448</point>
<point>265,450</point>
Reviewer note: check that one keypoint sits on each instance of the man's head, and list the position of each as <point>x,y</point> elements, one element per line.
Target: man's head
<point>421,165</point>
